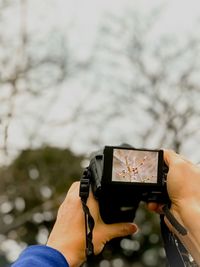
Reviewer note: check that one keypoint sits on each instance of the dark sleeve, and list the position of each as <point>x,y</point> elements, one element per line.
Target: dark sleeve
<point>41,256</point>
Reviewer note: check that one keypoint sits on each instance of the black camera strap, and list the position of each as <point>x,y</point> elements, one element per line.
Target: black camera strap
<point>179,228</point>
<point>173,254</point>
<point>89,221</point>
<point>176,253</point>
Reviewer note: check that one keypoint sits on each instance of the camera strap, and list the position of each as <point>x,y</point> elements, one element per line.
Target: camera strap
<point>176,253</point>
<point>173,254</point>
<point>89,221</point>
<point>179,228</point>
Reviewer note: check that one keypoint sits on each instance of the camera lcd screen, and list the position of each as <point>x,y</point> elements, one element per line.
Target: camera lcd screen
<point>135,166</point>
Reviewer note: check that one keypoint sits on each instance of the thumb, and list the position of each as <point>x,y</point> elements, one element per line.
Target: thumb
<point>120,229</point>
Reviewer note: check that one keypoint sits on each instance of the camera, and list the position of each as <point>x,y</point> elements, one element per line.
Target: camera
<point>123,176</point>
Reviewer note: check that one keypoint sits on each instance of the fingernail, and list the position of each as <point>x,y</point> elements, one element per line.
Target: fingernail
<point>133,228</point>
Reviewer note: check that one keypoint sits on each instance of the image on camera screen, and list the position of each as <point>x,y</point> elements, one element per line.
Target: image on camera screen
<point>135,166</point>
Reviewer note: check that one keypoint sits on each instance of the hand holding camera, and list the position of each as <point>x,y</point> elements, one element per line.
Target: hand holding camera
<point>68,234</point>
<point>121,177</point>
<point>183,186</point>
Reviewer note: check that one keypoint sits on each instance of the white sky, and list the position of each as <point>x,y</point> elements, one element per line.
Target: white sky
<point>80,20</point>
<point>81,17</point>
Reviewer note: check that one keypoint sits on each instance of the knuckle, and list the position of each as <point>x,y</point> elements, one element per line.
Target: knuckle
<point>180,163</point>
<point>74,185</point>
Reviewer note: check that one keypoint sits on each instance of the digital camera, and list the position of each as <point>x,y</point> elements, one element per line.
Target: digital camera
<point>122,176</point>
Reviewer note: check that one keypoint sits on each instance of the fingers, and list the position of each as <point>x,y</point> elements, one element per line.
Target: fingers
<point>152,206</point>
<point>171,157</point>
<point>120,229</point>
<point>74,188</point>
<point>73,193</point>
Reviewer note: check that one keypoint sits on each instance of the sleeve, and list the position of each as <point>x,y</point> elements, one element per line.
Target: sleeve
<point>40,255</point>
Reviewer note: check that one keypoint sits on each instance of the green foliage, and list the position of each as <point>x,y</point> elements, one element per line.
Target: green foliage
<point>32,188</point>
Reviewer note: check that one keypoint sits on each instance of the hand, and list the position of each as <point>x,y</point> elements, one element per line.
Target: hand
<point>183,186</point>
<point>68,234</point>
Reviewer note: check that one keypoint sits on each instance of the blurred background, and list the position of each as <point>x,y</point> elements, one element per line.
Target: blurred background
<point>76,75</point>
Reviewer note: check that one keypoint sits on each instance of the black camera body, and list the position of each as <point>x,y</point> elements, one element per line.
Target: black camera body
<point>122,176</point>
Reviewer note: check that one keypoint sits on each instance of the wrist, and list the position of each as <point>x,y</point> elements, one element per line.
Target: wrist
<point>74,257</point>
<point>188,212</point>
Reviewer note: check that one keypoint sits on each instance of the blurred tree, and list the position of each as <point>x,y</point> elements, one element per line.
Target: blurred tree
<point>139,87</point>
<point>33,64</point>
<point>146,85</point>
<point>143,86</point>
<point>17,71</point>
<point>32,188</point>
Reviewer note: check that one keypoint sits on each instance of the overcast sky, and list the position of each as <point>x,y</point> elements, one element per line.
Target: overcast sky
<point>81,17</point>
<point>80,20</point>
